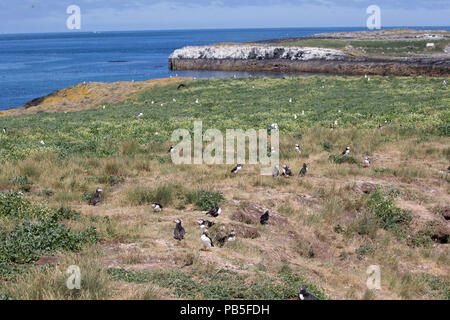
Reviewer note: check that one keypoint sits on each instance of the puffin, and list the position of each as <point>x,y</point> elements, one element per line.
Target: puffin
<point>42,142</point>
<point>178,232</point>
<point>346,151</point>
<point>264,218</point>
<point>196,101</point>
<point>174,100</point>
<point>297,148</point>
<point>170,149</point>
<point>295,116</point>
<point>96,198</point>
<point>303,112</point>
<point>290,100</point>
<point>214,212</point>
<point>237,168</point>
<point>444,82</point>
<point>303,170</point>
<point>286,171</point>
<point>276,171</point>
<point>157,207</point>
<point>206,240</point>
<point>4,130</point>
<point>232,236</point>
<point>273,126</point>
<point>138,115</point>
<point>331,127</point>
<point>205,223</point>
<point>305,295</point>
<point>181,86</point>
<point>366,162</point>
<point>380,126</point>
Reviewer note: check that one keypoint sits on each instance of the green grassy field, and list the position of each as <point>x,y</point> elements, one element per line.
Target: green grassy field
<point>332,233</point>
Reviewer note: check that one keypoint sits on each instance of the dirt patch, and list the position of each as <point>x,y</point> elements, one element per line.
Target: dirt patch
<point>46,260</point>
<point>251,214</point>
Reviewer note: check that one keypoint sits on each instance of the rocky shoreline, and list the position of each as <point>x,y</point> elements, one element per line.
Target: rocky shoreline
<point>302,59</point>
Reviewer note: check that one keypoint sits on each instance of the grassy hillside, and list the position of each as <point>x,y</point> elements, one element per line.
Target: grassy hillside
<point>329,226</point>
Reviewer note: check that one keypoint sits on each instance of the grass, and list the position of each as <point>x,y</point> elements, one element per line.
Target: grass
<point>333,230</point>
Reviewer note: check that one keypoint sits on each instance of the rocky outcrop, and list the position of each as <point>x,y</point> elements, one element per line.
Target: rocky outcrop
<point>300,59</point>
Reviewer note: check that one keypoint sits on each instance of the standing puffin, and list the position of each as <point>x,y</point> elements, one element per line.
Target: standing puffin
<point>4,130</point>
<point>237,168</point>
<point>297,148</point>
<point>96,198</point>
<point>276,171</point>
<point>205,223</point>
<point>214,212</point>
<point>366,162</point>
<point>170,149</point>
<point>331,127</point>
<point>232,236</point>
<point>138,115</point>
<point>286,171</point>
<point>305,295</point>
<point>157,207</point>
<point>346,151</point>
<point>264,218</point>
<point>206,240</point>
<point>178,232</point>
<point>303,170</point>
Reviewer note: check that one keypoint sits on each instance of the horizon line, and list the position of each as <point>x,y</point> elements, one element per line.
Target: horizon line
<point>214,29</point>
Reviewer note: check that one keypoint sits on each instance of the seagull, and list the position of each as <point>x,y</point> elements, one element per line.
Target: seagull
<point>264,218</point>
<point>178,232</point>
<point>96,198</point>
<point>276,171</point>
<point>171,149</point>
<point>138,115</point>
<point>297,148</point>
<point>286,171</point>
<point>303,170</point>
<point>366,162</point>
<point>206,240</point>
<point>205,223</point>
<point>237,168</point>
<point>157,207</point>
<point>346,151</point>
<point>305,295</point>
<point>214,212</point>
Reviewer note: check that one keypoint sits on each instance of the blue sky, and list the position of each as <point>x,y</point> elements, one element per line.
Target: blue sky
<point>18,16</point>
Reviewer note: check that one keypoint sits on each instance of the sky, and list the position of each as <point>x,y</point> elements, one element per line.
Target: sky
<point>23,16</point>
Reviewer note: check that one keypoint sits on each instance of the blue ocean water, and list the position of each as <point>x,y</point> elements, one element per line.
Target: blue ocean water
<point>33,65</point>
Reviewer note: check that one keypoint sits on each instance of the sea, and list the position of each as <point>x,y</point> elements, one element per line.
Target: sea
<point>34,65</point>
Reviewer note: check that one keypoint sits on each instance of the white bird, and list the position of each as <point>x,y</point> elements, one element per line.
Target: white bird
<point>346,151</point>
<point>171,149</point>
<point>156,133</point>
<point>444,82</point>
<point>42,142</point>
<point>206,240</point>
<point>297,148</point>
<point>104,107</point>
<point>162,104</point>
<point>157,207</point>
<point>290,100</point>
<point>196,100</point>
<point>335,122</point>
<point>153,102</point>
<point>232,236</point>
<point>253,87</point>
<point>367,162</point>
<point>339,110</point>
<point>237,168</point>
<point>138,115</point>
<point>303,112</point>
<point>4,130</point>
<point>295,116</point>
<point>174,100</point>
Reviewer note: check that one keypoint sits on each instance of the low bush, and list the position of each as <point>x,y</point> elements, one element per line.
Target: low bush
<point>205,200</point>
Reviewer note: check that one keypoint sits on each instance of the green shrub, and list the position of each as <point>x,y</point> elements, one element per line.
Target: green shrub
<point>205,200</point>
<point>421,238</point>
<point>385,210</point>
<point>340,158</point>
<point>23,183</point>
<point>364,250</point>
<point>28,241</point>
<point>327,146</point>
